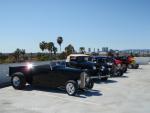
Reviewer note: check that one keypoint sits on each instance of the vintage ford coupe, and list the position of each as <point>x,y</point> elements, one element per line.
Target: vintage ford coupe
<point>52,75</point>
<point>103,61</point>
<point>81,61</point>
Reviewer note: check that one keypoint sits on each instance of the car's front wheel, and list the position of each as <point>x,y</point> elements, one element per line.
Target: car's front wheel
<point>90,84</point>
<point>130,66</point>
<point>18,82</point>
<point>125,69</point>
<point>71,87</point>
<point>119,73</point>
<point>137,66</point>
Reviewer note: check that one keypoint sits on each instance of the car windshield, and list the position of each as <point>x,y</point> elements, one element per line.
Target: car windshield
<point>83,59</point>
<point>110,60</point>
<point>57,63</point>
<point>104,60</point>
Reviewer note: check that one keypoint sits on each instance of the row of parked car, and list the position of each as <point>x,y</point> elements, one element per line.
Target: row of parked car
<point>78,72</point>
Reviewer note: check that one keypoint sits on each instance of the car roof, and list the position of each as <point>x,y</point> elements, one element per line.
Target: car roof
<point>100,57</point>
<point>75,55</point>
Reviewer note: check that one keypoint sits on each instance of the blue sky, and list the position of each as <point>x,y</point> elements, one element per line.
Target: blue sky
<point>118,24</point>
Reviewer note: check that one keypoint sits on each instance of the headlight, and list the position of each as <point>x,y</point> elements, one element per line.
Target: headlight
<point>87,79</point>
<point>85,74</point>
<point>109,69</point>
<point>119,65</point>
<point>109,64</point>
<point>102,68</point>
<point>94,67</point>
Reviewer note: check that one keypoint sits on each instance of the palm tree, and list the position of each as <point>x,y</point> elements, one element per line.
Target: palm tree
<point>50,46</point>
<point>23,52</point>
<point>69,49</point>
<point>17,53</point>
<point>59,41</point>
<point>55,50</point>
<point>111,53</point>
<point>82,49</point>
<point>42,45</point>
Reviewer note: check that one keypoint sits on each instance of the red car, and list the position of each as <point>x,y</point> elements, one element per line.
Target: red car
<point>132,63</point>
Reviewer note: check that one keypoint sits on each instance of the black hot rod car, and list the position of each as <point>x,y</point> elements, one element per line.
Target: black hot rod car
<point>103,61</point>
<point>81,61</point>
<point>52,75</point>
<point>109,63</point>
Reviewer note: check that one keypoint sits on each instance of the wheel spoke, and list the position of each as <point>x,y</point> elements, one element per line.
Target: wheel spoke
<point>70,88</point>
<point>16,81</point>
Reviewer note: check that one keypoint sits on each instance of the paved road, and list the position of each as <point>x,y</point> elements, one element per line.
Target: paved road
<point>4,70</point>
<point>128,94</point>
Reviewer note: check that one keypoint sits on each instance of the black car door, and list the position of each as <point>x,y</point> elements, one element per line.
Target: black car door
<point>73,64</point>
<point>43,76</point>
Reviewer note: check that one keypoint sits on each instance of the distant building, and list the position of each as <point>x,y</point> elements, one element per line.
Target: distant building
<point>94,50</point>
<point>105,49</point>
<point>139,52</point>
<point>89,50</point>
<point>98,50</point>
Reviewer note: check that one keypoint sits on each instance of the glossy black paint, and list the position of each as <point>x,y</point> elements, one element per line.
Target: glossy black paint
<point>44,75</point>
<point>79,63</point>
<point>105,62</point>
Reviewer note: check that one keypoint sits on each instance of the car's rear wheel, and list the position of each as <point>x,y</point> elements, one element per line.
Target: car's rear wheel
<point>18,82</point>
<point>71,87</point>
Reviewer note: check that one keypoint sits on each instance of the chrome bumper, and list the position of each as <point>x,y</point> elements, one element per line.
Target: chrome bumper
<point>82,81</point>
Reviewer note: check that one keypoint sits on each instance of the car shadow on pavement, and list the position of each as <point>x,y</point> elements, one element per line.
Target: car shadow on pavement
<point>89,93</point>
<point>127,72</point>
<point>45,89</point>
<point>97,81</point>
<point>124,76</point>
<point>81,94</point>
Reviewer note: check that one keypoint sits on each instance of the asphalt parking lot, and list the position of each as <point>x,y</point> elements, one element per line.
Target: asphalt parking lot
<point>128,94</point>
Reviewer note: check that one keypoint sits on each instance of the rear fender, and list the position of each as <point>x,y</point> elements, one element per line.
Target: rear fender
<point>18,74</point>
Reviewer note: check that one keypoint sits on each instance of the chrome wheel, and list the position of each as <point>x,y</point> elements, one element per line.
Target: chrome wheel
<point>16,81</point>
<point>130,66</point>
<point>70,88</point>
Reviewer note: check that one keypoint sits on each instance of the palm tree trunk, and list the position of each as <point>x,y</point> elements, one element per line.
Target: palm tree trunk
<point>60,48</point>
